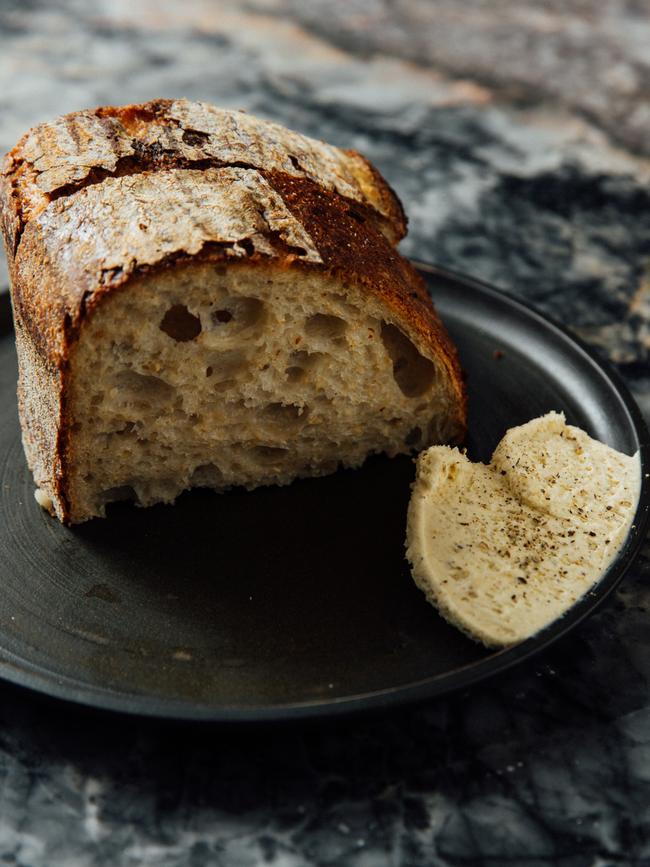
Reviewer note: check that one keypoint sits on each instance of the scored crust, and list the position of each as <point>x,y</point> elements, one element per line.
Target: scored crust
<point>82,237</point>
<point>57,158</point>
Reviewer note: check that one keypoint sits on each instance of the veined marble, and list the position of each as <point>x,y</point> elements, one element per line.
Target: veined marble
<point>530,173</point>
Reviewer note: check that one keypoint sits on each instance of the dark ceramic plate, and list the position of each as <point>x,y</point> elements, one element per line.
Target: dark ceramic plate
<point>286,602</point>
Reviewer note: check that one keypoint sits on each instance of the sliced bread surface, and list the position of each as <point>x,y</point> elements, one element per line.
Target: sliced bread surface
<point>504,549</point>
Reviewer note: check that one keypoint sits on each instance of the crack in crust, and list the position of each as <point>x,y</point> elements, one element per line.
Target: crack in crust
<point>57,159</point>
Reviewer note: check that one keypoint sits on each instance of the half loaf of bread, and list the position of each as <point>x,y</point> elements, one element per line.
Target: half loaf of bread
<point>202,298</point>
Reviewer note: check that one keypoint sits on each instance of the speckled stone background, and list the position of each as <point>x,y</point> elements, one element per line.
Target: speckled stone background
<point>517,134</point>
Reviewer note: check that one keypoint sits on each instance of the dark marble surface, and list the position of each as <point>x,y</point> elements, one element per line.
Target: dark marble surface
<point>530,173</point>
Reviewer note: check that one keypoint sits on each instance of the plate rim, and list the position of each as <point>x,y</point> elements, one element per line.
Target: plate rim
<point>22,673</point>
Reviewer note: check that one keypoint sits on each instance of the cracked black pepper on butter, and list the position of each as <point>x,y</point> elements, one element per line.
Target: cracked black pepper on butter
<point>504,549</point>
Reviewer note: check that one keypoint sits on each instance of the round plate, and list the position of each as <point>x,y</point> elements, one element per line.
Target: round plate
<point>285,602</point>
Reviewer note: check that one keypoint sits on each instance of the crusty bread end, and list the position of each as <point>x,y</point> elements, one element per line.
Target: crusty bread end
<point>202,297</point>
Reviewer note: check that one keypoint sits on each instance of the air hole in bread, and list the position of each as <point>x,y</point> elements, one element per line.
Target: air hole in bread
<point>206,476</point>
<point>121,494</point>
<point>270,454</point>
<point>226,365</point>
<point>286,415</point>
<point>356,216</point>
<point>179,324</point>
<point>295,374</point>
<point>128,429</point>
<point>301,362</point>
<point>413,373</point>
<point>221,316</point>
<point>326,326</point>
<point>236,313</point>
<point>140,385</point>
<point>343,304</point>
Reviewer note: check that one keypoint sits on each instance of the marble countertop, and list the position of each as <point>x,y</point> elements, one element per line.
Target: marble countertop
<point>516,133</point>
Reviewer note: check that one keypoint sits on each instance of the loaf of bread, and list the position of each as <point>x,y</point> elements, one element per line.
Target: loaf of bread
<point>202,298</point>
<point>503,550</point>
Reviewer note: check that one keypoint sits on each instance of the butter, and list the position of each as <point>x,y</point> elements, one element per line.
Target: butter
<point>504,549</point>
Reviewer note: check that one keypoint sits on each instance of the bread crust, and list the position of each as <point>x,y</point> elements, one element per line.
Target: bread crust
<point>57,158</point>
<point>74,238</point>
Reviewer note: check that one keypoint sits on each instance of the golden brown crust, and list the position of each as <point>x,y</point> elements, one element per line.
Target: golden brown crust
<point>57,158</point>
